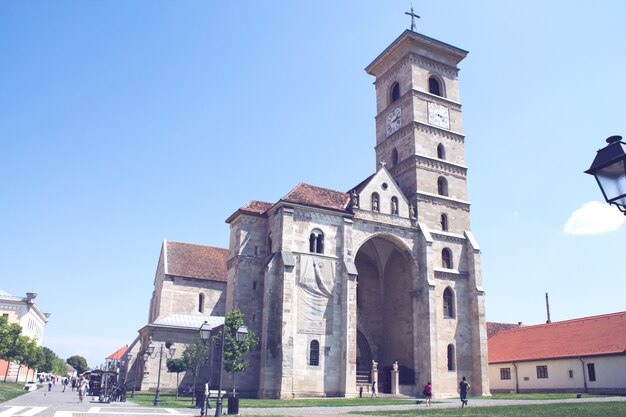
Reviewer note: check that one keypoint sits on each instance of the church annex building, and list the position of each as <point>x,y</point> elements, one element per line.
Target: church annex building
<point>331,281</point>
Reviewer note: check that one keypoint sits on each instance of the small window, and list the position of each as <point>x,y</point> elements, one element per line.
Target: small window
<point>394,157</point>
<point>200,303</point>
<point>375,202</point>
<point>395,92</point>
<point>394,206</point>
<point>570,373</point>
<point>441,152</point>
<point>314,353</point>
<point>320,243</point>
<point>316,241</point>
<point>442,186</point>
<point>269,243</point>
<point>444,222</point>
<point>542,371</point>
<point>451,358</point>
<point>448,303</point>
<point>591,369</point>
<point>254,285</point>
<point>446,258</point>
<point>434,87</point>
<point>505,373</point>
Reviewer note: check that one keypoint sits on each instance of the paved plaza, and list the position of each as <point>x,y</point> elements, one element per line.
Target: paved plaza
<point>41,403</point>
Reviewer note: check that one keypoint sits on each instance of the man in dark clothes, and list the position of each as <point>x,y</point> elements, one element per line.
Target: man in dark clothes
<point>464,386</point>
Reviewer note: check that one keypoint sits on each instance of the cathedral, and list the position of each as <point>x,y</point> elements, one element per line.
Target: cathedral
<point>386,273</point>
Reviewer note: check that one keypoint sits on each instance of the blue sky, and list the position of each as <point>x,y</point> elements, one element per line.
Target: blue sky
<point>126,123</point>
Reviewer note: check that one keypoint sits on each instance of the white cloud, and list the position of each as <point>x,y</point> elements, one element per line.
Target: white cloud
<point>594,218</point>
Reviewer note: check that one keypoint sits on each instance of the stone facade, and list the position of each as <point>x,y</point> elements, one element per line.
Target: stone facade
<point>341,279</point>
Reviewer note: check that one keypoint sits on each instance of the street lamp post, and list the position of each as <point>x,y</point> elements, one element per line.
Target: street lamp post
<point>205,335</point>
<point>242,333</point>
<point>171,350</point>
<point>609,169</point>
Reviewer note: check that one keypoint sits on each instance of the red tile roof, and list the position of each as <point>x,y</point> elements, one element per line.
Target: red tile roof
<point>118,354</point>
<point>495,328</point>
<point>256,207</point>
<point>588,336</point>
<point>310,195</point>
<point>196,261</point>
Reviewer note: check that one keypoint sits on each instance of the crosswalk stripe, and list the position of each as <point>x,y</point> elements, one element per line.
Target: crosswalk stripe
<point>11,411</point>
<point>63,414</point>
<point>33,411</point>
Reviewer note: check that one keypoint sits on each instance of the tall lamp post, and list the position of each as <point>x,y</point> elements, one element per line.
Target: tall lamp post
<point>171,350</point>
<point>242,333</point>
<point>205,335</point>
<point>609,169</point>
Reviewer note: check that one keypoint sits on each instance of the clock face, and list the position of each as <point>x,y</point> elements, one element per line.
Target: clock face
<point>438,115</point>
<point>393,121</point>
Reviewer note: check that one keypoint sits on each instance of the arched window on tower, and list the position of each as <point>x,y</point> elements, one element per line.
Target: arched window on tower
<point>269,244</point>
<point>446,258</point>
<point>395,92</point>
<point>451,358</point>
<point>375,202</point>
<point>442,186</point>
<point>444,222</point>
<point>441,151</point>
<point>434,86</point>
<point>316,241</point>
<point>394,157</point>
<point>314,353</point>
<point>201,303</point>
<point>448,303</point>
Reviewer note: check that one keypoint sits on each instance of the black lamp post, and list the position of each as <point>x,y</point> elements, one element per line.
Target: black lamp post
<point>242,333</point>
<point>205,335</point>
<point>609,169</point>
<point>171,350</point>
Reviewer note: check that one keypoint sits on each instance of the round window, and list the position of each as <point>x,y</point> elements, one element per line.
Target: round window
<point>385,186</point>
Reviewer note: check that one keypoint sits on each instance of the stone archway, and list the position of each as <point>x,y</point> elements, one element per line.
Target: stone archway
<point>384,306</point>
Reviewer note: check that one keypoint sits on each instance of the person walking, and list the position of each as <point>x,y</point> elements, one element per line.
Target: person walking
<point>428,393</point>
<point>374,390</point>
<point>464,386</point>
<point>81,392</point>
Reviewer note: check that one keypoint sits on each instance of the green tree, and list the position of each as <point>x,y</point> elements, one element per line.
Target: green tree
<point>234,351</point>
<point>58,366</point>
<point>178,366</point>
<point>11,346</point>
<point>194,356</point>
<point>79,363</point>
<point>20,353</point>
<point>34,357</point>
<point>49,357</point>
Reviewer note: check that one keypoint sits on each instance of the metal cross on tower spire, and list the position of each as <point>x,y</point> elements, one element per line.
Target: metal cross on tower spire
<point>413,16</point>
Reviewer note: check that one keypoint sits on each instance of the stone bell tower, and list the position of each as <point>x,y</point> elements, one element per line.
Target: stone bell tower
<point>419,127</point>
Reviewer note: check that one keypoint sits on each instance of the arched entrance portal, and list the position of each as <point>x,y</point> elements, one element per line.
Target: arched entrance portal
<point>384,310</point>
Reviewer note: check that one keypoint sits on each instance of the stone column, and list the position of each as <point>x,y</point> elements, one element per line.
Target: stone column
<point>395,379</point>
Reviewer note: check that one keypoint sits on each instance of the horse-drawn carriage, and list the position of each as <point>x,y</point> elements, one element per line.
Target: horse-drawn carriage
<point>105,385</point>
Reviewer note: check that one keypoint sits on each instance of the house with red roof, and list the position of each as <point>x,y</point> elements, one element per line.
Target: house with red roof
<point>584,355</point>
<point>116,359</point>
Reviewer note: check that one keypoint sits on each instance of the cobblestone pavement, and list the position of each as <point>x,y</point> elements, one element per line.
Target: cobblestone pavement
<point>41,403</point>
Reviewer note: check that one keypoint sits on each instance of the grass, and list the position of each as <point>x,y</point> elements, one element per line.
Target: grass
<point>10,390</point>
<point>608,409</point>
<point>537,397</point>
<point>169,400</point>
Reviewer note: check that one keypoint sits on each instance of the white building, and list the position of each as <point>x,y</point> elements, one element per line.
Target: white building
<point>23,311</point>
<point>586,355</point>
